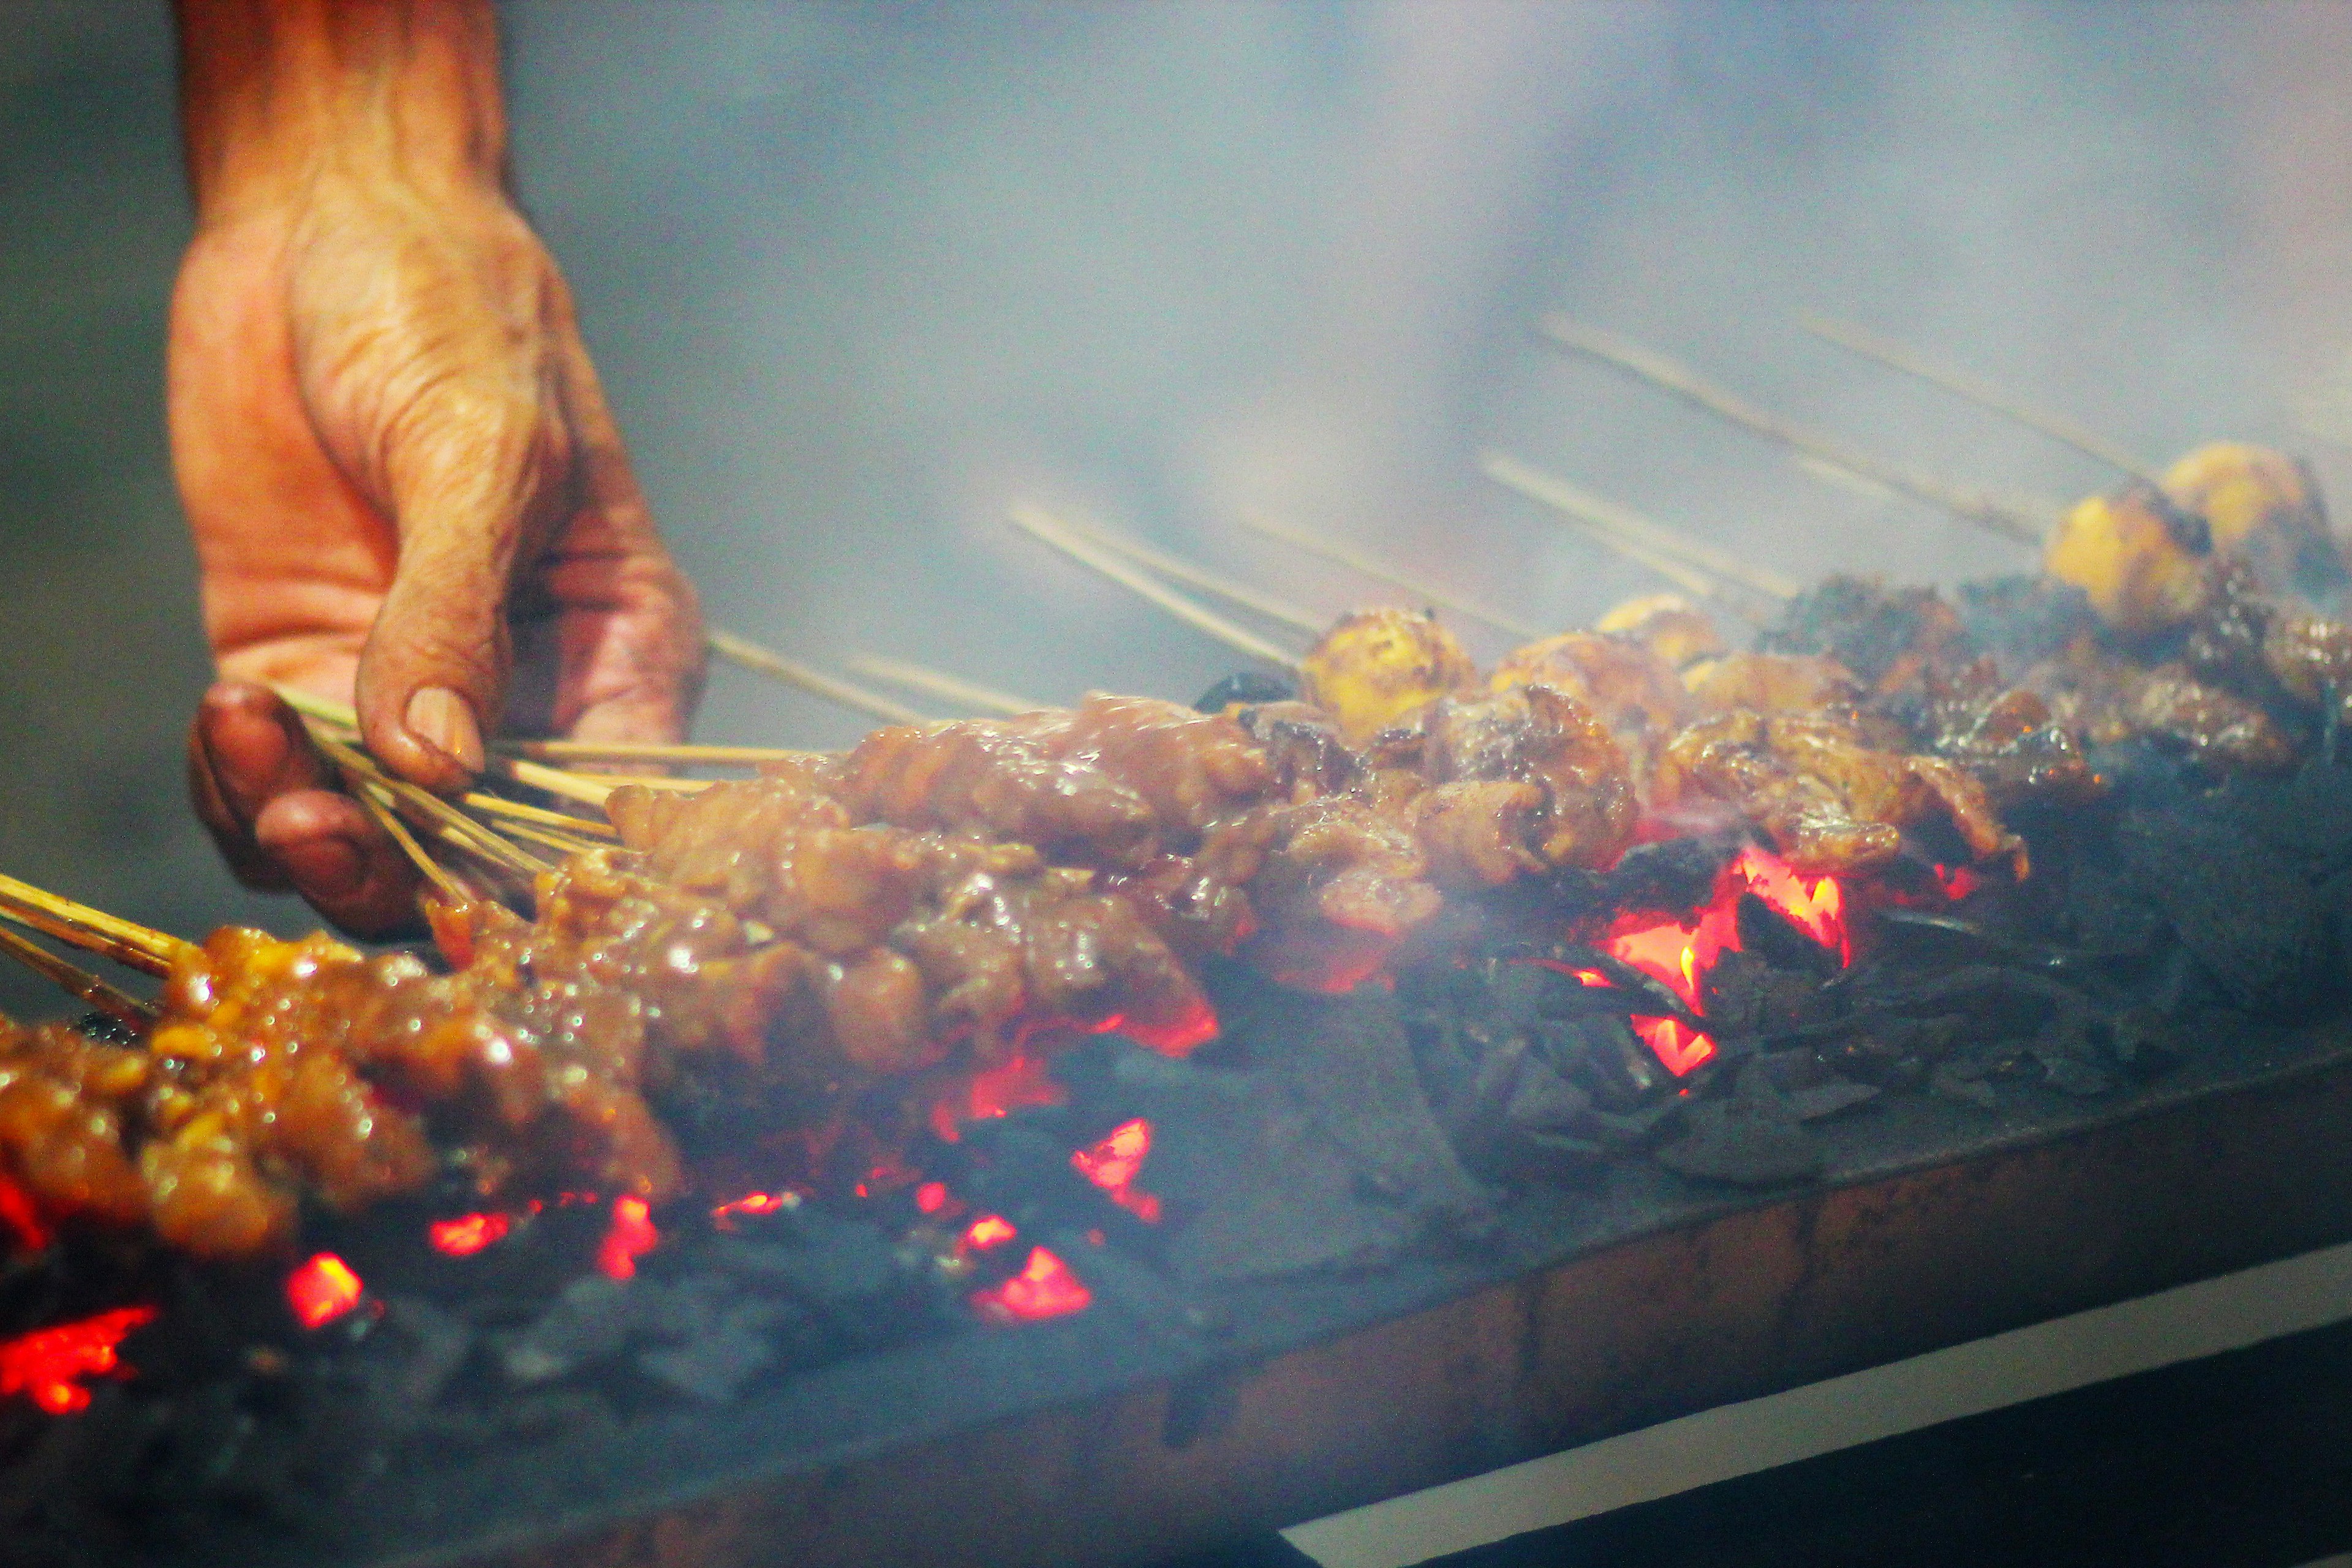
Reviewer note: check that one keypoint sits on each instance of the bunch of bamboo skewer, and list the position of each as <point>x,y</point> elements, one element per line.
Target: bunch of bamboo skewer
<point>494,839</point>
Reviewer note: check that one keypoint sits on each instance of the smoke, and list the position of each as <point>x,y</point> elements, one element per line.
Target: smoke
<point>859,277</point>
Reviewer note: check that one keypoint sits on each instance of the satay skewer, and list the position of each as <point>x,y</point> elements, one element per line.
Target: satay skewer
<point>377,801</point>
<point>684,753</point>
<point>2024,523</point>
<point>939,684</point>
<point>1050,530</point>
<point>79,983</point>
<point>766,661</point>
<point>1200,577</point>
<point>129,945</point>
<point>1693,567</point>
<point>537,816</point>
<point>1896,357</point>
<point>1379,572</point>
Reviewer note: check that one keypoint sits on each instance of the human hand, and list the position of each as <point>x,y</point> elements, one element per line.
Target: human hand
<point>407,492</point>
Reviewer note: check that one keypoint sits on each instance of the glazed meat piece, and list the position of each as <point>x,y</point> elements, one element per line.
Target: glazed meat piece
<point>998,779</point>
<point>1303,747</point>
<point>1776,683</point>
<point>1828,799</point>
<point>2107,700</point>
<point>1378,667</point>
<point>1669,626</point>
<point>1541,737</point>
<point>1636,694</point>
<point>2139,558</point>
<point>2262,508</point>
<point>2310,656</point>
<point>2006,738</point>
<point>64,1100</point>
<point>1109,783</point>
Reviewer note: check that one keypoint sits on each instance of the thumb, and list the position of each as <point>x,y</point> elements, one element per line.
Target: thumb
<point>464,481</point>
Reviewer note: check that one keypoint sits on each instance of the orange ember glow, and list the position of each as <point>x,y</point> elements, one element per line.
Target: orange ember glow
<point>17,1213</point>
<point>753,1204</point>
<point>1959,881</point>
<point>467,1234</point>
<point>323,1289</point>
<point>1196,1026</point>
<point>987,1232</point>
<point>1044,1289</point>
<point>932,1197</point>
<point>993,1092</point>
<point>1115,1162</point>
<point>1680,952</point>
<point>632,1236</point>
<point>48,1364</point>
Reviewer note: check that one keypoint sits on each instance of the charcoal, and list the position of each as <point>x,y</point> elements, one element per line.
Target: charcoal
<point>2242,906</point>
<point>1861,622</point>
<point>1327,1155</point>
<point>1541,1101</point>
<point>1670,877</point>
<point>711,1366</point>
<point>1962,1081</point>
<point>589,1322</point>
<point>436,1345</point>
<point>818,1256</point>
<point>2023,618</point>
<point>1248,685</point>
<point>1749,1139</point>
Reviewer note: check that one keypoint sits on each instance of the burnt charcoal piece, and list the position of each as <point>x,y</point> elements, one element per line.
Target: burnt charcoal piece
<point>1671,877</point>
<point>2244,908</point>
<point>716,1341</point>
<point>1324,1156</point>
<point>1866,626</point>
<point>1248,685</point>
<point>589,1322</point>
<point>2023,618</point>
<point>1750,1139</point>
<point>1808,1087</point>
<point>417,1351</point>
<point>1963,1081</point>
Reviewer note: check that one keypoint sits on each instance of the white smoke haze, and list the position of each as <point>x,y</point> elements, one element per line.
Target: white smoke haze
<point>860,276</point>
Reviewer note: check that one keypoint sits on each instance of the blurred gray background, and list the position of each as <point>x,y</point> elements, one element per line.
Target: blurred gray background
<point>857,275</point>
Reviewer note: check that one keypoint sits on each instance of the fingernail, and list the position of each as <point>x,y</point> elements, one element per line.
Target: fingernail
<point>445,721</point>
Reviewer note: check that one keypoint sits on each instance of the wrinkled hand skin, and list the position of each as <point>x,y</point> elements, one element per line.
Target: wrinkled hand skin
<point>405,488</point>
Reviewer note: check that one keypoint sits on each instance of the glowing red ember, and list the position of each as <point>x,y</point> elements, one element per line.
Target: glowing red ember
<point>1044,1289</point>
<point>467,1234</point>
<point>754,1204</point>
<point>632,1236</point>
<point>323,1289</point>
<point>932,1197</point>
<point>1680,952</point>
<point>1115,1162</point>
<point>16,1213</point>
<point>990,1230</point>
<point>48,1364</point>
<point>992,1092</point>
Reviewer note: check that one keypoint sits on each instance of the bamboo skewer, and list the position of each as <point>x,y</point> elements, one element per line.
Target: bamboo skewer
<point>1199,577</point>
<point>1896,357</point>
<point>564,843</point>
<point>79,983</point>
<point>1042,525</point>
<point>376,799</point>
<point>1638,539</point>
<point>644,751</point>
<point>936,683</point>
<point>93,931</point>
<point>766,661</point>
<point>461,829</point>
<point>2009,520</point>
<point>519,811</point>
<point>1366,566</point>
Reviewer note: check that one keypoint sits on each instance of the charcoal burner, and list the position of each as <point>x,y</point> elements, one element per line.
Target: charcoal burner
<point>1381,1239</point>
